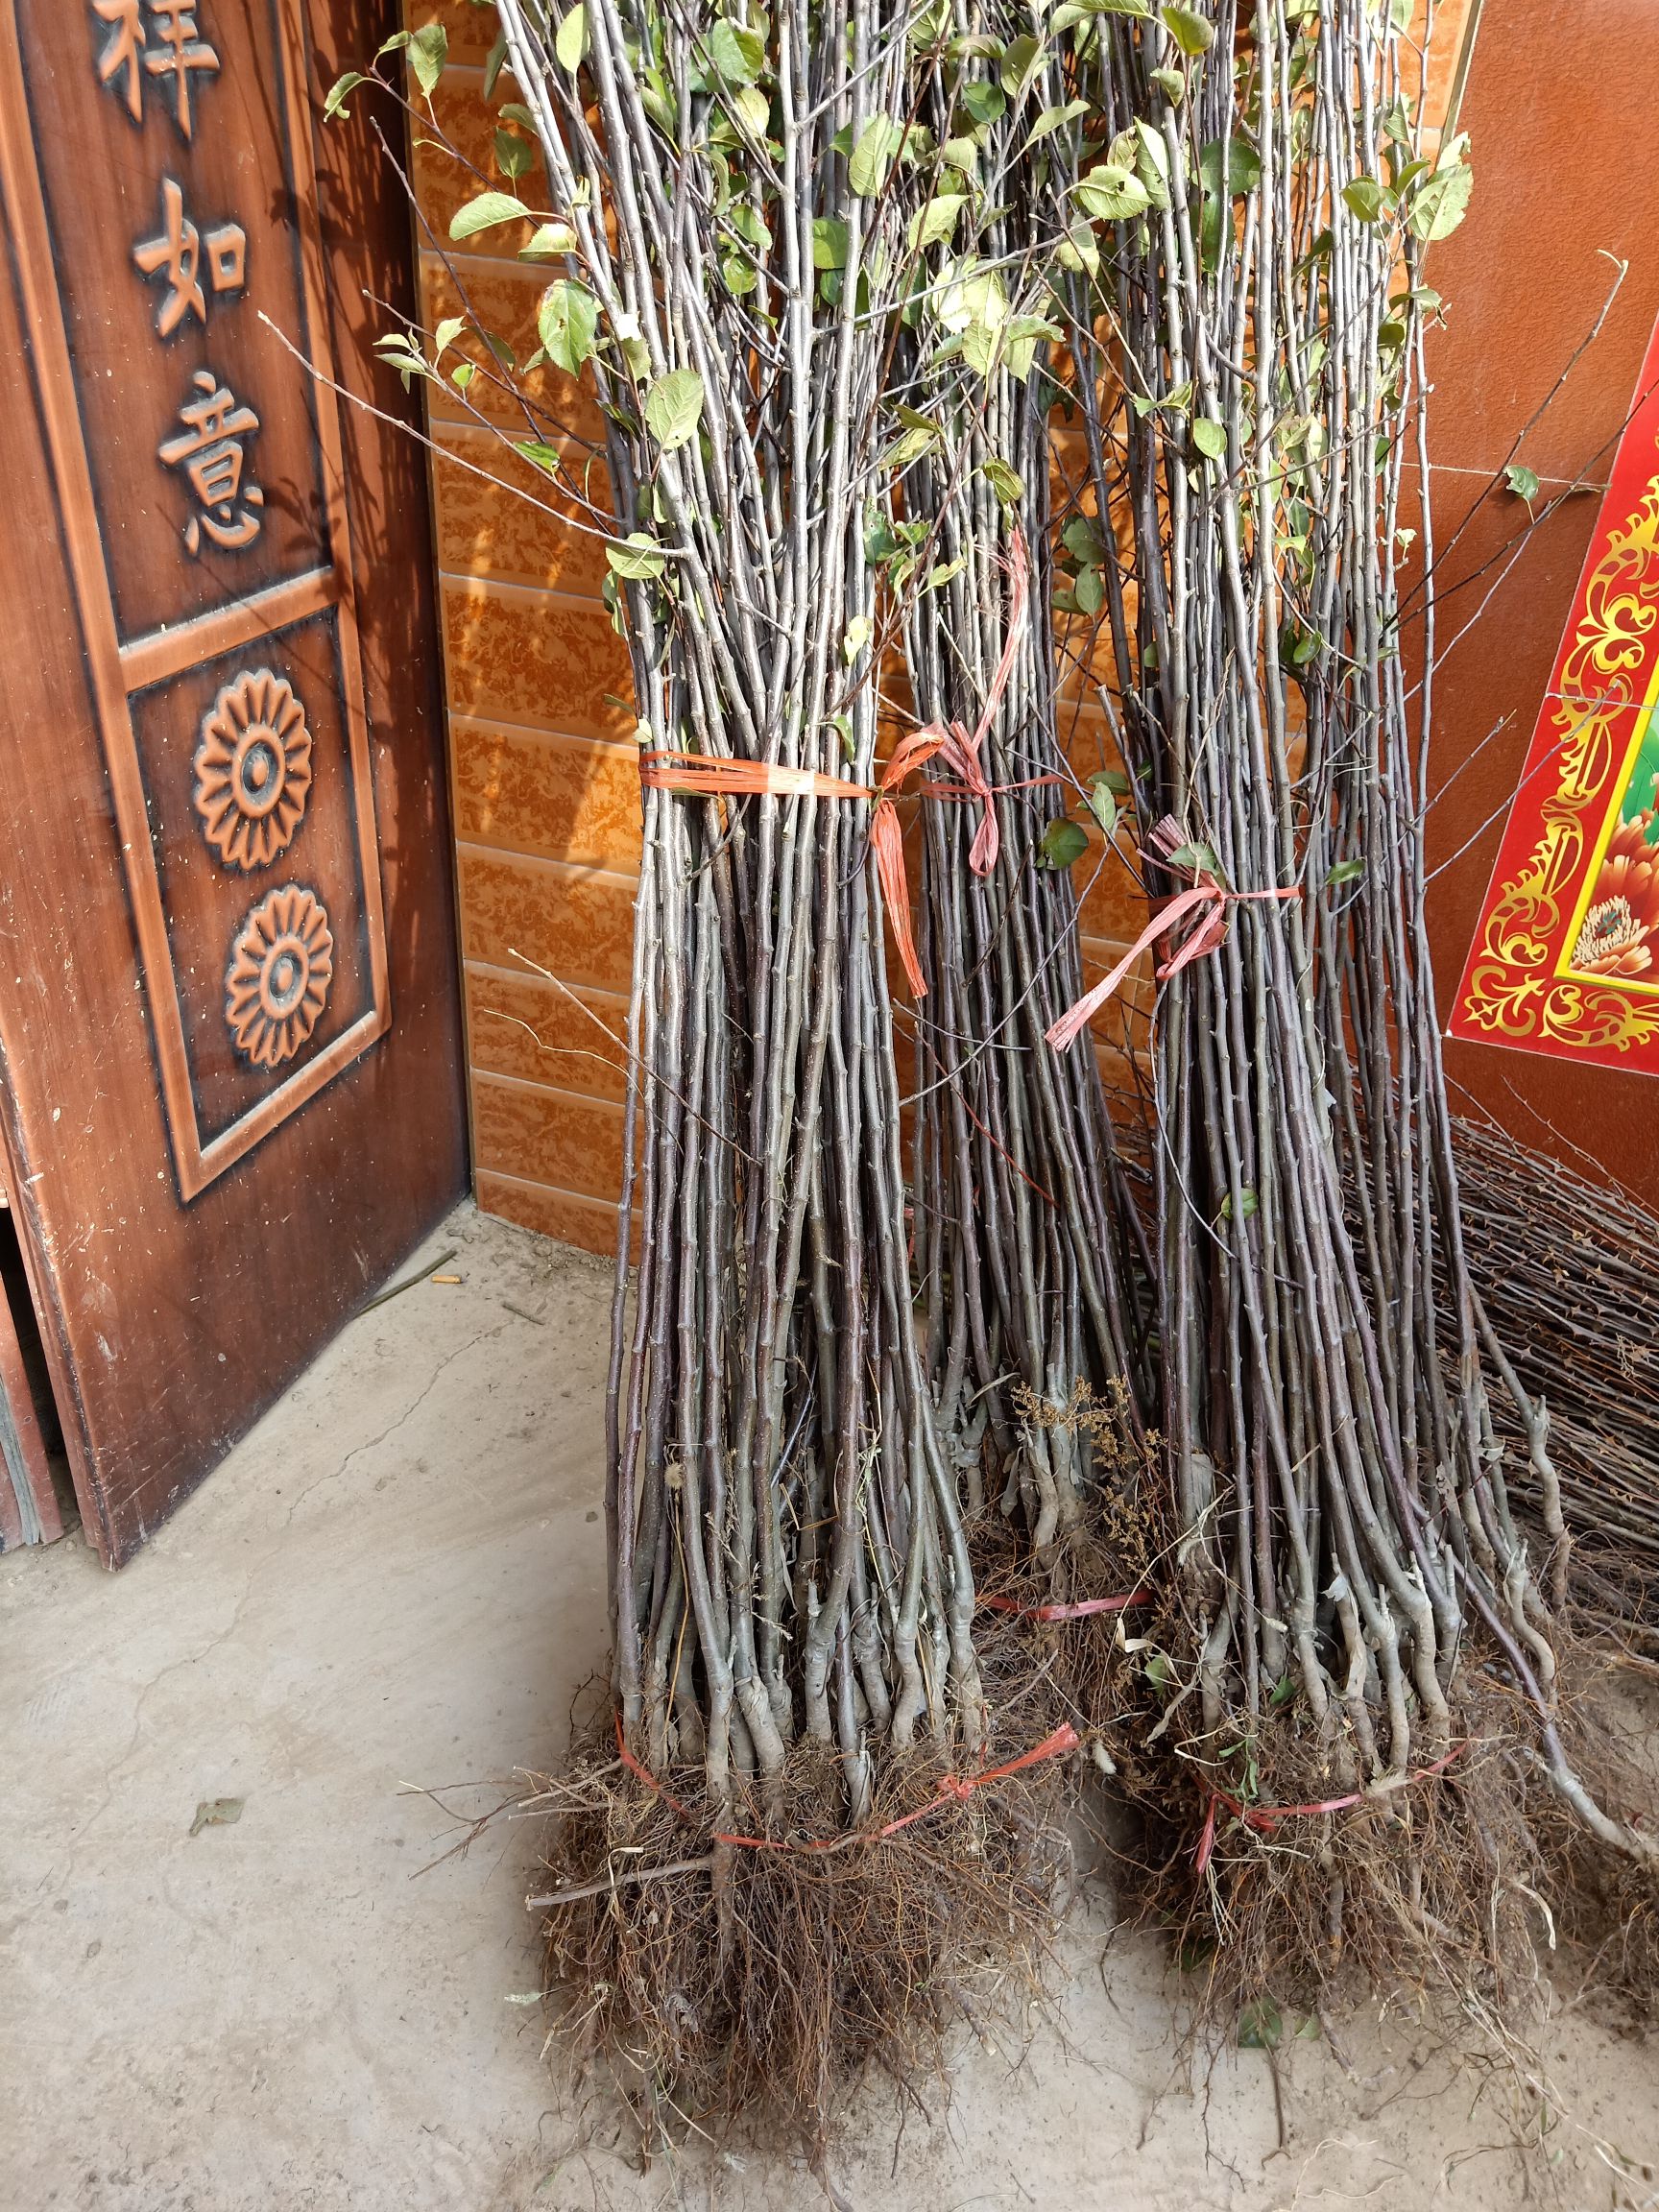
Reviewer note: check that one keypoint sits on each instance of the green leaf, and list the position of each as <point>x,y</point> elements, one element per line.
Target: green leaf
<point>638,558</point>
<point>933,224</point>
<point>1004,481</point>
<point>567,322</point>
<point>1189,30</point>
<point>674,408</point>
<point>1345,872</point>
<point>340,92</point>
<point>1522,481</point>
<point>873,157</point>
<point>495,64</point>
<point>1261,2026</point>
<point>740,55</point>
<point>516,156</point>
<point>1111,193</point>
<point>1365,197</point>
<point>445,335</point>
<point>485,212</point>
<point>1103,803</point>
<point>752,109</point>
<point>543,455</point>
<point>462,373</point>
<point>1440,204</point>
<point>1231,169</point>
<point>1021,61</point>
<point>1249,1204</point>
<point>828,242</point>
<point>986,103</point>
<point>570,41</point>
<point>1062,844</point>
<point>1054,119</point>
<point>856,638</point>
<point>429,51</point>
<point>549,242</point>
<point>1210,437</point>
<point>1170,83</point>
<point>1195,859</point>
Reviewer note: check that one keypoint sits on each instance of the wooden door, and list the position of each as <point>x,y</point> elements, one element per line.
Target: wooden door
<point>228,996</point>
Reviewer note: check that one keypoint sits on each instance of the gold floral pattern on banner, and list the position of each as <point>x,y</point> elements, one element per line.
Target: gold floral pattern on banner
<point>1549,970</point>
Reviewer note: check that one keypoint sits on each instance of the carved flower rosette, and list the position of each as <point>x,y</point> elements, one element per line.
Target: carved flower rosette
<point>252,770</point>
<point>281,965</point>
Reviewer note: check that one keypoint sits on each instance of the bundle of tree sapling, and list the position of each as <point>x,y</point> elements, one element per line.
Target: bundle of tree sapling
<point>805,269</point>
<point>1342,1700</point>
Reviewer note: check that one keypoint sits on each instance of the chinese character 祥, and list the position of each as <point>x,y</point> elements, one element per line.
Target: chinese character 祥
<point>173,48</point>
<point>176,255</point>
<point>212,451</point>
<point>124,51</point>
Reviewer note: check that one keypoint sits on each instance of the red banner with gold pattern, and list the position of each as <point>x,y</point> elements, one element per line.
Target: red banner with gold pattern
<point>1566,958</point>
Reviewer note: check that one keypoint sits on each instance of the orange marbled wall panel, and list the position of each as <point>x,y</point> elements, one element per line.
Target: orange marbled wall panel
<point>525,1129</point>
<point>588,1223</point>
<point>539,792</point>
<point>518,913</point>
<point>500,517</point>
<point>548,1033</point>
<point>535,657</point>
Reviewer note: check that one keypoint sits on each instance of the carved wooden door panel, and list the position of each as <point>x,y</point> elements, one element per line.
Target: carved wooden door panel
<point>228,1006</point>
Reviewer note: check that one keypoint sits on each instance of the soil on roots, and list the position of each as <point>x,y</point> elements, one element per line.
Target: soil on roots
<point>745,1987</point>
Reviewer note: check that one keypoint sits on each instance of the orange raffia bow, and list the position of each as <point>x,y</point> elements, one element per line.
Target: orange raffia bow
<point>707,776</point>
<point>1205,892</point>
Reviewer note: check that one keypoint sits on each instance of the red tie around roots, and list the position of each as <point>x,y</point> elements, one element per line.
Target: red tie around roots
<point>953,1788</point>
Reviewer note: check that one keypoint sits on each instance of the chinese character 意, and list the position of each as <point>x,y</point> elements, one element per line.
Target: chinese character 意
<point>173,48</point>
<point>174,254</point>
<point>210,448</point>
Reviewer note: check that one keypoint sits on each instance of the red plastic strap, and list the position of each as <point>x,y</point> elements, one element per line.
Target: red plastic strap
<point>704,776</point>
<point>1205,892</point>
<point>952,1788</point>
<point>1081,1611</point>
<point>1264,1818</point>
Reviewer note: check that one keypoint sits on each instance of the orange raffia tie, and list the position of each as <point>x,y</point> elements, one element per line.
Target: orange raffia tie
<point>953,1788</point>
<point>1080,1611</point>
<point>1264,1818</point>
<point>1205,893</point>
<point>707,776</point>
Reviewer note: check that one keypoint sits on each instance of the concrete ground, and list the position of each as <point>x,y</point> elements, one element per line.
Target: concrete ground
<point>375,1611</point>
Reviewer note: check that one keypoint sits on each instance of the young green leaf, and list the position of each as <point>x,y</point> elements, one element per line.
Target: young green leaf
<point>445,335</point>
<point>1210,437</point>
<point>674,408</point>
<point>1365,197</point>
<point>549,242</point>
<point>1054,119</point>
<point>856,638</point>
<point>571,39</point>
<point>485,212</point>
<point>1103,803</point>
<point>543,455</point>
<point>1345,872</point>
<point>1171,83</point>
<point>1441,202</point>
<point>515,157</point>
<point>1189,30</point>
<point>933,224</point>
<point>739,54</point>
<point>828,242</point>
<point>873,157</point>
<point>1111,194</point>
<point>1522,481</point>
<point>1062,844</point>
<point>568,323</point>
<point>429,51</point>
<point>341,90</point>
<point>638,558</point>
<point>1261,2026</point>
<point>1005,482</point>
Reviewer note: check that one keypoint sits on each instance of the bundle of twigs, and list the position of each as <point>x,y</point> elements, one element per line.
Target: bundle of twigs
<point>1349,1592</point>
<point>1566,1269</point>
